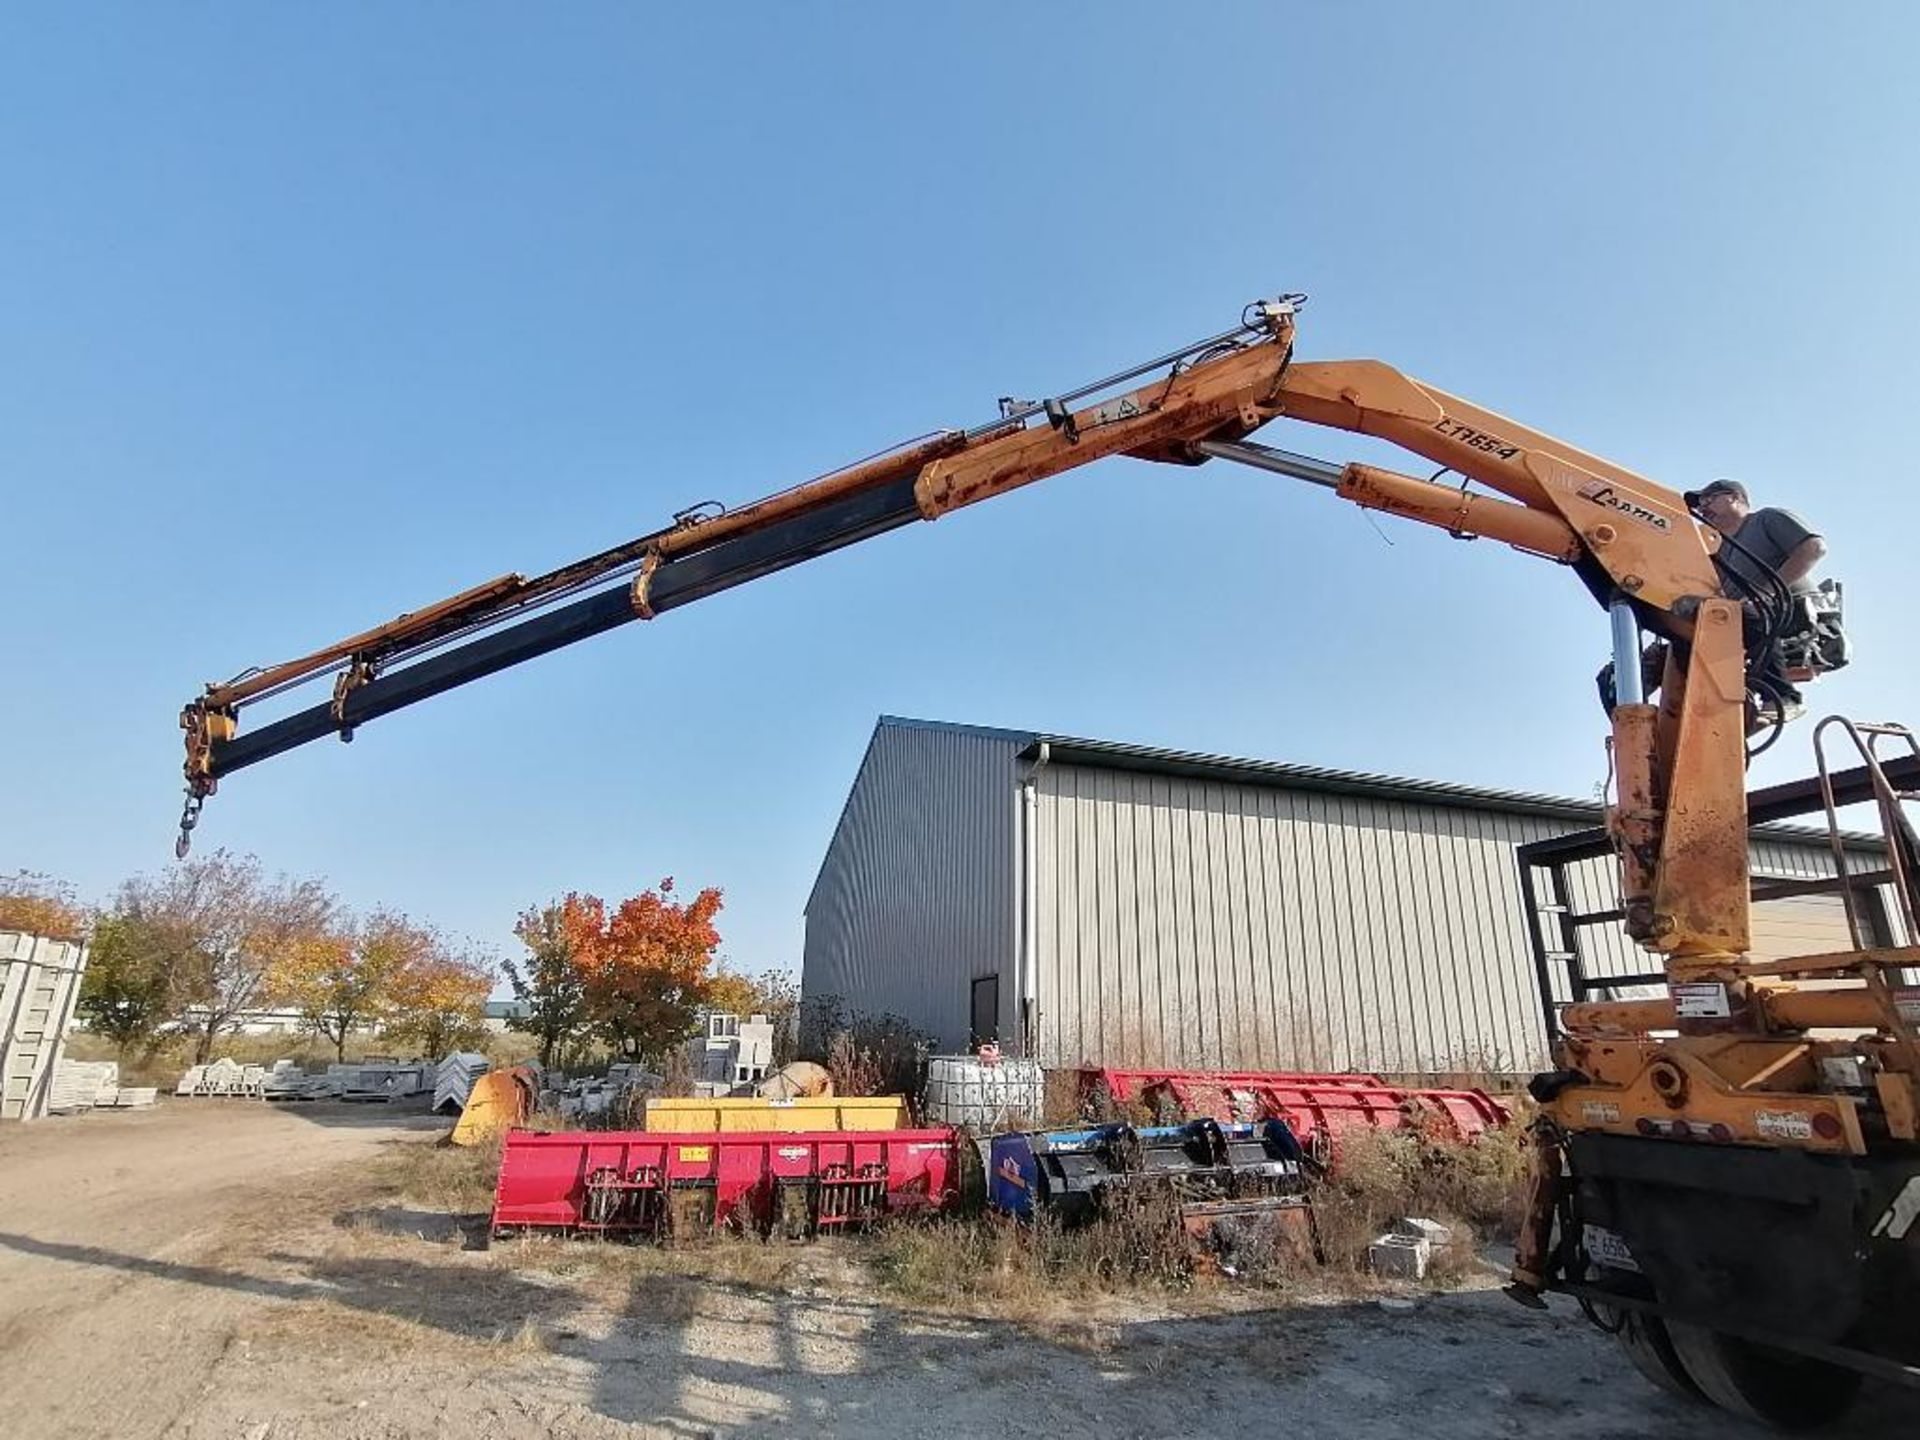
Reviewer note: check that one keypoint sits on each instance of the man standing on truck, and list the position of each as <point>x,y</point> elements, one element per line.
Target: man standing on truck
<point>1773,538</point>
<point>1757,546</point>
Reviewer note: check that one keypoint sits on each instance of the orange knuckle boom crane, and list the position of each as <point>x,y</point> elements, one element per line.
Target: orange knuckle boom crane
<point>1721,1181</point>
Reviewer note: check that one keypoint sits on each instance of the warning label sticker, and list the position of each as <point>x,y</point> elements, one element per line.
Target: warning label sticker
<point>1599,1112</point>
<point>1700,1000</point>
<point>793,1152</point>
<point>695,1153</point>
<point>1784,1124</point>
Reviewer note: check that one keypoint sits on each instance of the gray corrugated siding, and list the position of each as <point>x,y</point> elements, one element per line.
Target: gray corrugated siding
<point>1195,923</point>
<point>1194,920</point>
<point>1189,923</point>
<point>916,895</point>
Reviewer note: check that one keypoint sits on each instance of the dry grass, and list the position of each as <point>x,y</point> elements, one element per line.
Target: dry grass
<point>1380,1176</point>
<point>526,1339</point>
<point>447,1179</point>
<point>1135,1248</point>
<point>743,1260</point>
<point>663,1284</point>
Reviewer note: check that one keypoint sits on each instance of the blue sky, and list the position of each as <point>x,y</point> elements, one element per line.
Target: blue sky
<point>311,315</point>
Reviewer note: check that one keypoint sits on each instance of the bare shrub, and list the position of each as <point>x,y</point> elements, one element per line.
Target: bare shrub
<point>855,1070</point>
<point>676,1075</point>
<point>1380,1176</point>
<point>1135,1242</point>
<point>876,1055</point>
<point>1136,1238</point>
<point>1064,1100</point>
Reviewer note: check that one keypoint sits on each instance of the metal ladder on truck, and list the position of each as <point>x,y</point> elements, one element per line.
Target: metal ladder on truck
<point>1553,891</point>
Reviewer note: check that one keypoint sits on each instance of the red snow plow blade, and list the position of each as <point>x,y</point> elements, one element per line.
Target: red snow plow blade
<point>1318,1108</point>
<point>658,1186</point>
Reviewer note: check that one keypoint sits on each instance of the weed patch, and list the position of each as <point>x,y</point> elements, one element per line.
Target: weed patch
<point>1135,1246</point>
<point>1380,1176</point>
<point>453,1180</point>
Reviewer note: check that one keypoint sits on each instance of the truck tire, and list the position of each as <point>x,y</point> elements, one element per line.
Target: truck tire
<point>1645,1340</point>
<point>1757,1382</point>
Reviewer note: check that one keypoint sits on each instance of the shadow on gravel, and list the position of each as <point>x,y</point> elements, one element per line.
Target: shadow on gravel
<point>466,1303</point>
<point>437,1227</point>
<point>701,1359</point>
<point>414,1112</point>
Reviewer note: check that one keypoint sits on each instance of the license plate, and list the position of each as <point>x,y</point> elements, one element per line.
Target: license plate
<point>1608,1249</point>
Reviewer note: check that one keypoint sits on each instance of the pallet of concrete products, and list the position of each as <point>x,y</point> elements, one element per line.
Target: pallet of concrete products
<point>589,1096</point>
<point>96,1084</point>
<point>1318,1108</point>
<point>286,1081</point>
<point>239,1081</point>
<point>223,1077</point>
<point>39,988</point>
<point>659,1186</point>
<point>586,1098</point>
<point>385,1080</point>
<point>453,1080</point>
<point>1227,1181</point>
<point>739,1113</point>
<point>82,1084</point>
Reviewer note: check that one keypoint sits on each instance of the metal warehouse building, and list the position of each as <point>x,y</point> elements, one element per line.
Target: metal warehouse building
<point>1087,902</point>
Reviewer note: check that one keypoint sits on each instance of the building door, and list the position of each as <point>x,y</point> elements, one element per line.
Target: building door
<point>986,1009</point>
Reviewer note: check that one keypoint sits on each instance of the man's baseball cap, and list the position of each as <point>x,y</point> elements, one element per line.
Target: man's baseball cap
<point>1725,487</point>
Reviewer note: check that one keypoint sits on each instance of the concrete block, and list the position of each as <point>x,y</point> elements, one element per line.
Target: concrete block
<point>1399,1257</point>
<point>1432,1231</point>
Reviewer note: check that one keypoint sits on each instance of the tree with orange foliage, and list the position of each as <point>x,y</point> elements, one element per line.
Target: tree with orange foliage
<point>645,966</point>
<point>732,992</point>
<point>440,1002</point>
<point>343,979</point>
<point>40,905</point>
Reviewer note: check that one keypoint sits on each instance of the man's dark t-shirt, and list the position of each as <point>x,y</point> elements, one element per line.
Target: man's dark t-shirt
<point>1771,535</point>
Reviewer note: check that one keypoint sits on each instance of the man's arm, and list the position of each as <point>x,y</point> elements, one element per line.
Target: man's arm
<point>1801,559</point>
<point>1796,540</point>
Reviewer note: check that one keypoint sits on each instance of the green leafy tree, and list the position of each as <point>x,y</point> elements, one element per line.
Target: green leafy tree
<point>129,992</point>
<point>547,982</point>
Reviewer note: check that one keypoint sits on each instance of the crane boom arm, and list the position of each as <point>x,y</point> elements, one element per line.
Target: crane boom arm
<point>1631,540</point>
